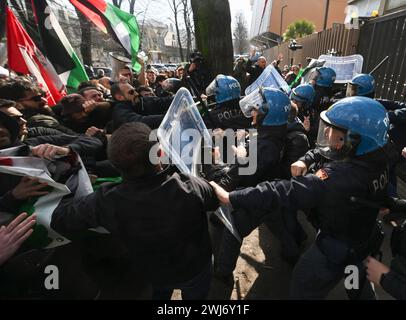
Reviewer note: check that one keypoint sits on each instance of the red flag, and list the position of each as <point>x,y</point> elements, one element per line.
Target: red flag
<point>24,57</point>
<point>91,15</point>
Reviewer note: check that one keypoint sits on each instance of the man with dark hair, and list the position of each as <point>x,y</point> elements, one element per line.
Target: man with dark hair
<point>145,91</point>
<point>33,105</point>
<point>159,90</point>
<point>170,244</point>
<point>131,107</point>
<point>85,146</point>
<point>80,114</point>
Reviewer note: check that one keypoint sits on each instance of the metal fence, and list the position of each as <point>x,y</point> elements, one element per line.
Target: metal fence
<point>381,37</point>
<point>376,39</point>
<point>342,40</point>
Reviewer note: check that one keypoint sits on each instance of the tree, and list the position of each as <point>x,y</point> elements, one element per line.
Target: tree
<point>299,29</point>
<point>175,5</point>
<point>188,25</point>
<point>240,34</point>
<point>23,9</point>
<point>212,20</point>
<point>118,3</point>
<point>132,6</point>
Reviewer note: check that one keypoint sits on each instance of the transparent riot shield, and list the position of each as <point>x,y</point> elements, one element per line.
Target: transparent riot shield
<point>183,135</point>
<point>270,77</point>
<point>345,67</point>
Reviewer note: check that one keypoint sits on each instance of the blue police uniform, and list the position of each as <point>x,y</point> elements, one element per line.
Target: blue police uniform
<point>346,227</point>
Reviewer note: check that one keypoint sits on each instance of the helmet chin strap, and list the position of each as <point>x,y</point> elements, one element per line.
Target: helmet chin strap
<point>260,120</point>
<point>355,141</point>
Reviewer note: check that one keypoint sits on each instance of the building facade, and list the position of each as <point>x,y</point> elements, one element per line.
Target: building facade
<point>272,17</point>
<point>368,8</point>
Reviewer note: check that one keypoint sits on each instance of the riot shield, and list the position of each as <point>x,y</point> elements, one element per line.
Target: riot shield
<point>346,68</point>
<point>183,135</point>
<point>270,77</point>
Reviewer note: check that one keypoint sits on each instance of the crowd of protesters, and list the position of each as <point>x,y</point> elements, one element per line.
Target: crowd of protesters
<point>158,217</point>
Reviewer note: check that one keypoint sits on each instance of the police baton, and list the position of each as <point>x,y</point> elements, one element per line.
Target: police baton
<point>379,65</point>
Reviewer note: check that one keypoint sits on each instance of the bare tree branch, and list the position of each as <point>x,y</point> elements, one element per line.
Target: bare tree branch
<point>174,5</point>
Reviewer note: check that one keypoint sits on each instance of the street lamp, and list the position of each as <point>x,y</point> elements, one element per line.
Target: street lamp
<point>283,7</point>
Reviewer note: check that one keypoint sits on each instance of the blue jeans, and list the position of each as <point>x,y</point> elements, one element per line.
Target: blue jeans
<point>195,289</point>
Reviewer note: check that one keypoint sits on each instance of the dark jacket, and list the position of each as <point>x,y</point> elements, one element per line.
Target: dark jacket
<point>196,81</point>
<point>330,191</point>
<point>297,144</point>
<point>394,282</point>
<point>48,121</point>
<point>83,145</point>
<point>397,118</point>
<point>270,145</point>
<point>150,111</point>
<point>227,115</point>
<point>168,239</point>
<point>254,71</point>
<point>98,118</point>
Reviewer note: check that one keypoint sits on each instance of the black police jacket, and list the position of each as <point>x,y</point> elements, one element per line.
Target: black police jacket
<point>270,146</point>
<point>227,115</point>
<point>394,282</point>
<point>397,118</point>
<point>330,191</point>
<point>297,144</point>
<point>161,220</point>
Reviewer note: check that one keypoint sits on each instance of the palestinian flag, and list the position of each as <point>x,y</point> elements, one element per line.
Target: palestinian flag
<point>18,161</point>
<point>25,58</point>
<point>57,47</point>
<point>110,19</point>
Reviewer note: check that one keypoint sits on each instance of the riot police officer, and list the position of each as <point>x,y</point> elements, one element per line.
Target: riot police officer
<point>352,133</point>
<point>269,111</point>
<point>361,85</point>
<point>225,113</point>
<point>297,143</point>
<point>322,79</point>
<point>364,85</point>
<point>393,279</point>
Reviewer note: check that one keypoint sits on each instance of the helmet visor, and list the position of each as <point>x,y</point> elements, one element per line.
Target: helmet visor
<point>332,142</point>
<point>253,101</point>
<point>313,76</point>
<point>211,89</point>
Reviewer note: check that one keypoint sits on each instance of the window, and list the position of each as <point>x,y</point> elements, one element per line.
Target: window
<point>394,4</point>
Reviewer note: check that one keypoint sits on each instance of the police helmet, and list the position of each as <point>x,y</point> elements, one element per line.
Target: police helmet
<point>276,107</point>
<point>304,93</point>
<point>353,126</point>
<point>361,85</point>
<point>224,88</point>
<point>324,77</point>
